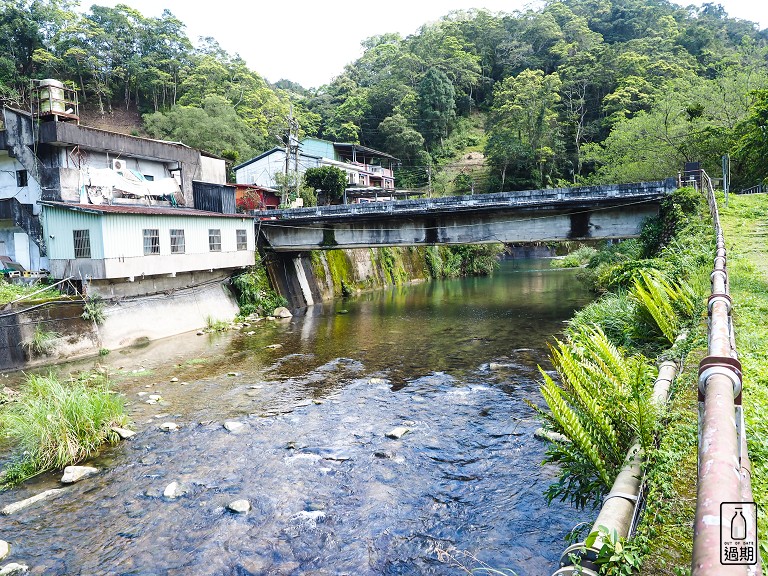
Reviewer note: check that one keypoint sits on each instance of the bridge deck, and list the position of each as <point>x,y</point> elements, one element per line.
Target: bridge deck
<point>589,212</point>
<point>578,196</point>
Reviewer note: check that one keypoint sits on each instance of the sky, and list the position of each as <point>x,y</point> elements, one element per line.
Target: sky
<point>310,42</point>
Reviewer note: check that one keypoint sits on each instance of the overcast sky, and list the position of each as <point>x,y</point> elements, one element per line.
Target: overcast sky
<point>309,42</point>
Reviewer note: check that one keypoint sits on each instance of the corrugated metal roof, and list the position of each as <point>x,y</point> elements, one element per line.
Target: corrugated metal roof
<point>145,210</point>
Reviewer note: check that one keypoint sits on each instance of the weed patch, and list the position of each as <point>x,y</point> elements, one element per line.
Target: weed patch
<point>54,424</point>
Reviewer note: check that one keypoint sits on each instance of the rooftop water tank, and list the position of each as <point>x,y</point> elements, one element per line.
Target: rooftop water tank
<point>51,95</point>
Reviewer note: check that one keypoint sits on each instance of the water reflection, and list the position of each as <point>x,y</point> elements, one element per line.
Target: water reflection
<point>451,361</point>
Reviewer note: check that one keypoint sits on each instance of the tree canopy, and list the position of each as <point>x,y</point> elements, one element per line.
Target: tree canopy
<point>575,91</point>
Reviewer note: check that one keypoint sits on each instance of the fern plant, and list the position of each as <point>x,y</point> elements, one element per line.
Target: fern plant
<point>601,404</point>
<point>667,303</point>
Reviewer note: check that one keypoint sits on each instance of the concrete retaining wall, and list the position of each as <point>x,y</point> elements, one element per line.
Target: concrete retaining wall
<point>127,321</point>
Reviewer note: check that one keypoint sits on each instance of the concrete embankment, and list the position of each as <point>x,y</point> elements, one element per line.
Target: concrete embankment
<point>41,333</point>
<point>48,332</point>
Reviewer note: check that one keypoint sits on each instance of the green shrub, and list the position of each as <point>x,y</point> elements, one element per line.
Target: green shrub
<point>42,342</point>
<point>254,293</point>
<point>55,424</point>
<point>575,259</point>
<point>93,309</point>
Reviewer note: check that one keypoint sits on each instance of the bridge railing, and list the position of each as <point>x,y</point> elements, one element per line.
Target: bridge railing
<point>479,201</point>
<point>724,469</point>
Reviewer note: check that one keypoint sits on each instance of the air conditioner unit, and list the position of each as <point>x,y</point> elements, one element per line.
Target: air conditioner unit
<point>118,165</point>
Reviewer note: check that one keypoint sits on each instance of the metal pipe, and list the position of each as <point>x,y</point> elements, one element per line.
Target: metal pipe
<point>724,468</point>
<point>619,505</point>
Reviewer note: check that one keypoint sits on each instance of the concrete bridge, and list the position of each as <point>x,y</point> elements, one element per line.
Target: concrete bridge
<point>588,212</point>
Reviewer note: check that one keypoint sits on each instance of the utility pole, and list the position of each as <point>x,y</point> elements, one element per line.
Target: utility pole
<point>291,150</point>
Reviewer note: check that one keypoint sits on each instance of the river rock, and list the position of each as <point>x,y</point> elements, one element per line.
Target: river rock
<point>282,312</point>
<point>550,435</point>
<point>239,506</point>
<point>174,490</point>
<point>13,569</point>
<point>16,506</point>
<point>174,379</point>
<point>74,474</point>
<point>169,426</point>
<point>498,366</point>
<point>124,433</point>
<point>397,433</point>
<point>233,426</point>
<point>5,549</point>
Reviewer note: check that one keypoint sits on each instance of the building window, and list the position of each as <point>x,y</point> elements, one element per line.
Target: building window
<point>177,241</point>
<point>214,240</point>
<point>82,240</point>
<point>242,239</point>
<point>151,241</point>
<point>21,178</point>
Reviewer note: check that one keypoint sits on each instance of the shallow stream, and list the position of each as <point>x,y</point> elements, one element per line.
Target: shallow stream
<point>451,361</point>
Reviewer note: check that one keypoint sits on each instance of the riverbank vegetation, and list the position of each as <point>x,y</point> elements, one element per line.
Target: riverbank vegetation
<point>10,292</point>
<point>254,292</point>
<point>54,423</point>
<point>652,290</point>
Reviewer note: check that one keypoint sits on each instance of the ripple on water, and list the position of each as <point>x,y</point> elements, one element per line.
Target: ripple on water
<point>330,493</point>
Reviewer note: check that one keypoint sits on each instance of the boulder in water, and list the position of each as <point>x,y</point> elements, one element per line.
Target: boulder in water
<point>74,474</point>
<point>174,490</point>
<point>282,312</point>
<point>397,433</point>
<point>241,506</point>
<point>14,569</point>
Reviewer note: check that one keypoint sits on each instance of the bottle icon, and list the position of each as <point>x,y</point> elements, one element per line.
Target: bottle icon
<point>738,526</point>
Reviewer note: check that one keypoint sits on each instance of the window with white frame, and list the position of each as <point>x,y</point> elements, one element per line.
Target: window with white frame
<point>151,241</point>
<point>177,241</point>
<point>82,240</point>
<point>242,239</point>
<point>214,240</point>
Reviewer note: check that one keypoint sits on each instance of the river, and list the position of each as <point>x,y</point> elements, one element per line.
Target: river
<point>453,361</point>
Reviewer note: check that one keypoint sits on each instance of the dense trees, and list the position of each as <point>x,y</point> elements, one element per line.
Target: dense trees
<point>577,91</point>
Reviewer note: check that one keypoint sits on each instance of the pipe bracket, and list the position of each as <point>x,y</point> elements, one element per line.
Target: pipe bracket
<point>718,272</point>
<point>719,297</point>
<point>724,366</point>
<point>626,495</point>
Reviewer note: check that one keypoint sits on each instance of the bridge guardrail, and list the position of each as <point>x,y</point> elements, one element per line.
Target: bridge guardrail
<point>479,201</point>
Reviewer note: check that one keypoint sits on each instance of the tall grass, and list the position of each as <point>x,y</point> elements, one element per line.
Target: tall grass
<point>55,424</point>
<point>42,342</point>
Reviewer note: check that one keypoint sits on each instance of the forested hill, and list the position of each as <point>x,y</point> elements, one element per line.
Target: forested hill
<point>578,91</point>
